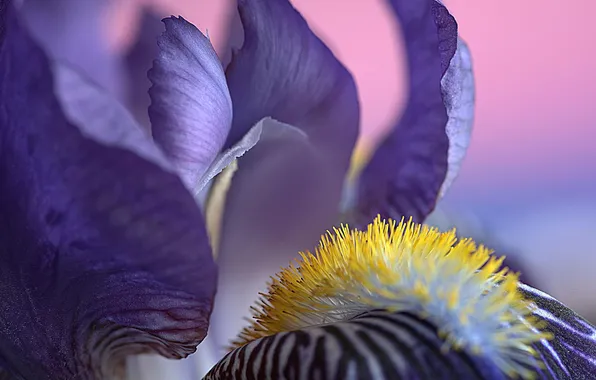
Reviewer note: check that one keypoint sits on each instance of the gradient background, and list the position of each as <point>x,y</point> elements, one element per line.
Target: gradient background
<point>529,181</point>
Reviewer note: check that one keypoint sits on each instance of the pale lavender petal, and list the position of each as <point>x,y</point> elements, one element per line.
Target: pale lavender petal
<point>191,109</point>
<point>74,31</point>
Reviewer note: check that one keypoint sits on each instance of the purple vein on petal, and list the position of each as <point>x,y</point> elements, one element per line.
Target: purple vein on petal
<point>191,109</point>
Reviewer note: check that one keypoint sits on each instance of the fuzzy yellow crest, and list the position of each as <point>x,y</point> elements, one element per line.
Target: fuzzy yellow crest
<point>404,267</point>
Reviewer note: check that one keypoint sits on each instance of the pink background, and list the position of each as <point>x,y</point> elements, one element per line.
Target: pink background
<point>530,174</point>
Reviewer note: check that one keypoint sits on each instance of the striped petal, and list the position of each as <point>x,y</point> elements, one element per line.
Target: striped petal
<point>408,170</point>
<point>376,345</point>
<point>73,31</point>
<point>405,301</point>
<point>103,252</point>
<point>191,110</point>
<point>571,354</point>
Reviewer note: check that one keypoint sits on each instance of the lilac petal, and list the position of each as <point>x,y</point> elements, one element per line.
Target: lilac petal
<point>73,31</point>
<point>100,116</point>
<point>191,109</point>
<point>103,252</point>
<point>404,176</point>
<point>571,354</point>
<point>138,61</point>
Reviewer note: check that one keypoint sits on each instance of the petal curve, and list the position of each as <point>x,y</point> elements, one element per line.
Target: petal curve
<point>284,71</point>
<point>405,174</point>
<point>191,109</point>
<point>103,251</point>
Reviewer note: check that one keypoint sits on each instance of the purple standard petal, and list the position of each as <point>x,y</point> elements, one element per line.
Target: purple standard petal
<point>285,72</point>
<point>73,31</point>
<point>103,252</point>
<point>138,61</point>
<point>286,190</point>
<point>191,109</point>
<point>404,176</point>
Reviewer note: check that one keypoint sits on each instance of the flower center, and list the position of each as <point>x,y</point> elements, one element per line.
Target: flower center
<point>405,267</point>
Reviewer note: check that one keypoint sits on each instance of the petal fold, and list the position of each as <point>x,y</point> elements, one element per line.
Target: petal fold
<point>405,174</point>
<point>191,109</point>
<point>103,251</point>
<point>224,159</point>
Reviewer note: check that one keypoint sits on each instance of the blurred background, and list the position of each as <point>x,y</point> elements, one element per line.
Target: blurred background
<point>528,184</point>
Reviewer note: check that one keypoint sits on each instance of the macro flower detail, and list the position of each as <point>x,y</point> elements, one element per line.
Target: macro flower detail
<point>306,87</point>
<point>406,301</point>
<point>105,252</point>
<point>377,291</point>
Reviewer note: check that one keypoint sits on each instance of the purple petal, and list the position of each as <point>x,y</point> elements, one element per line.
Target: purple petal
<point>285,72</point>
<point>138,60</point>
<point>191,110</point>
<point>404,176</point>
<point>286,191</point>
<point>73,31</point>
<point>103,252</point>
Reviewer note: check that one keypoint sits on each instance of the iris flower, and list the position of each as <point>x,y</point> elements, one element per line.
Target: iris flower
<point>105,251</point>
